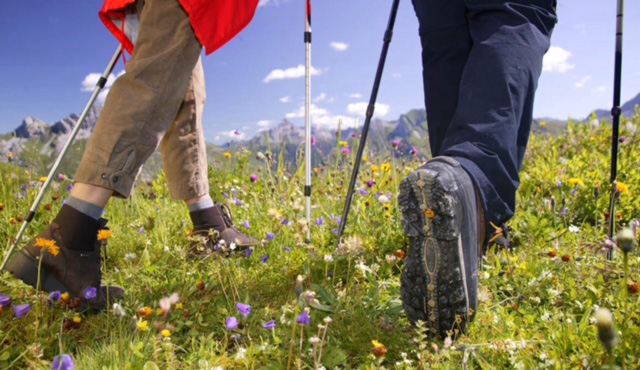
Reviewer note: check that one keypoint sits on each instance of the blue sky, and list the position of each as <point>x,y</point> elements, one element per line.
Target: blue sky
<point>50,47</point>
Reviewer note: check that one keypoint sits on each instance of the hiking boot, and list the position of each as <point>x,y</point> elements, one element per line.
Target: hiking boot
<point>441,218</point>
<point>213,228</point>
<point>75,268</point>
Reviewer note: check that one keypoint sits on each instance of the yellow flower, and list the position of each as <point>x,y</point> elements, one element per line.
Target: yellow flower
<point>273,212</point>
<point>387,215</point>
<point>576,182</point>
<point>227,155</point>
<point>386,167</point>
<point>179,306</point>
<point>365,159</point>
<point>622,188</point>
<point>316,170</point>
<point>374,168</point>
<point>143,325</point>
<point>10,155</point>
<point>48,246</point>
<point>104,235</point>
<point>344,144</point>
<point>43,179</point>
<point>166,333</point>
<point>159,312</point>
<point>387,207</point>
<point>65,297</point>
<point>377,344</point>
<point>593,138</point>
<point>543,124</point>
<point>77,320</point>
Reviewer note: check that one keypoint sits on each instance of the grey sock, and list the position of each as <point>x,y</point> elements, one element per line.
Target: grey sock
<point>208,203</point>
<point>87,208</point>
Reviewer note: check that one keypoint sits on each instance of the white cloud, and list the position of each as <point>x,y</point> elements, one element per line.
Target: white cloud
<point>557,60</point>
<point>599,89</point>
<point>285,99</point>
<point>264,123</point>
<point>229,135</point>
<point>339,46</point>
<point>267,2</point>
<point>583,81</point>
<point>355,95</point>
<point>323,97</point>
<point>360,109</point>
<point>314,111</point>
<point>90,81</point>
<point>293,72</point>
<point>321,117</point>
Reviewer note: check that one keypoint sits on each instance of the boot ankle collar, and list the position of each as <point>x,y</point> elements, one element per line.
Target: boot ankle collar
<point>78,231</point>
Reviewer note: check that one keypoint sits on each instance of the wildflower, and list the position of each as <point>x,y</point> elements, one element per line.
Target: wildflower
<point>48,246</point>
<point>387,215</point>
<point>166,333</point>
<point>227,155</point>
<point>238,202</point>
<point>633,288</point>
<point>253,177</point>
<point>383,199</point>
<point>104,235</point>
<point>622,188</point>
<point>90,293</point>
<point>200,285</point>
<point>244,309</point>
<point>5,300</point>
<point>69,187</point>
<point>145,312</point>
<point>65,297</point>
<point>375,168</point>
<point>271,236</point>
<point>552,253</point>
<point>363,192</point>
<point>264,258</point>
<point>395,144</point>
<point>379,349</point>
<point>370,183</point>
<point>21,310</point>
<point>1,206</point>
<point>606,329</point>
<point>543,124</point>
<point>576,182</point>
<point>328,258</point>
<point>270,325</point>
<point>141,230</point>
<point>130,256</point>
<point>299,287</point>
<point>304,318</point>
<point>414,151</point>
<point>260,156</point>
<point>344,144</point>
<point>54,296</point>
<point>566,258</point>
<point>273,212</point>
<point>314,340</point>
<point>386,167</point>
<point>314,140</point>
<point>574,229</point>
<point>365,159</point>
<point>118,310</point>
<point>625,240</point>
<point>62,362</point>
<point>43,179</point>
<point>232,323</point>
<point>143,325</point>
<point>400,254</point>
<point>77,319</point>
<point>248,253</point>
<point>320,222</point>
<point>327,320</point>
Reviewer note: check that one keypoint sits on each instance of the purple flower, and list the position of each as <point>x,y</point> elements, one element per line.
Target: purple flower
<point>54,296</point>
<point>24,187</point>
<point>232,323</point>
<point>559,184</point>
<point>238,202</point>
<point>414,151</point>
<point>287,249</point>
<point>370,183</point>
<point>563,212</point>
<point>253,177</point>
<point>70,187</point>
<point>62,362</point>
<point>303,318</point>
<point>21,310</point>
<point>320,222</point>
<point>574,191</point>
<point>216,247</point>
<point>363,192</point>
<point>5,300</point>
<point>244,309</point>
<point>271,236</point>
<point>225,195</point>
<point>60,177</point>
<point>345,152</point>
<point>264,258</point>
<point>314,140</point>
<point>90,293</point>
<point>248,252</point>
<point>623,139</point>
<point>389,195</point>
<point>270,325</point>
<point>395,144</point>
<point>334,231</point>
<point>141,230</point>
<point>285,222</point>
<point>353,136</point>
<point>246,225</point>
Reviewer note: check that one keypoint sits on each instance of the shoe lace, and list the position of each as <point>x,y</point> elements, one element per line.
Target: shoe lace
<point>226,215</point>
<point>500,236</point>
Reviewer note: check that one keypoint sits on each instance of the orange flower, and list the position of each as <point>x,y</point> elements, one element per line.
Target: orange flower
<point>379,350</point>
<point>48,246</point>
<point>200,285</point>
<point>552,253</point>
<point>633,288</point>
<point>145,312</point>
<point>429,214</point>
<point>104,235</point>
<point>400,254</point>
<point>623,188</point>
<point>566,258</point>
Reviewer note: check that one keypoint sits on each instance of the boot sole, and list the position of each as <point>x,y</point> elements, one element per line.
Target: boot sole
<point>434,282</point>
<point>25,267</point>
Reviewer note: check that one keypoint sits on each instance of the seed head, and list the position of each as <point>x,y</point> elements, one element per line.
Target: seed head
<point>626,240</point>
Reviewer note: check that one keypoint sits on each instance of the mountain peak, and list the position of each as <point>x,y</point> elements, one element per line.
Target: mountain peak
<point>31,128</point>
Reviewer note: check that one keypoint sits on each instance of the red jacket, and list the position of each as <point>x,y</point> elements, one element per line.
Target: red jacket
<point>215,22</point>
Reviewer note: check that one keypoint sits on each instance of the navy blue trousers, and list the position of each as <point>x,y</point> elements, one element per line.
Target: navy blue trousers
<point>481,63</point>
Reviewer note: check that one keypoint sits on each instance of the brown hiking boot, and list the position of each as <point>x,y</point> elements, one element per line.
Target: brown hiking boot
<point>213,230</point>
<point>70,265</point>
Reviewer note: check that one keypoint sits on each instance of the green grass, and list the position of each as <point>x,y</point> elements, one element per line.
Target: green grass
<point>536,308</point>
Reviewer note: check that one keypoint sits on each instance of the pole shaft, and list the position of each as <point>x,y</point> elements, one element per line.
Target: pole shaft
<point>370,109</point>
<point>65,148</point>
<point>615,112</point>
<point>307,118</point>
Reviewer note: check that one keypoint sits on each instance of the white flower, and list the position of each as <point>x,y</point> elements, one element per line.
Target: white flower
<point>118,310</point>
<point>130,256</point>
<point>166,302</point>
<point>545,316</point>
<point>232,246</point>
<point>260,156</point>
<point>574,229</point>
<point>536,299</point>
<point>362,267</point>
<point>240,355</point>
<point>328,320</point>
<point>314,340</point>
<point>166,248</point>
<point>328,258</point>
<point>383,199</point>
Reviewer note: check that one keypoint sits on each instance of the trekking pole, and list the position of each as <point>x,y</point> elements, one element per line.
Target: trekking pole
<point>36,204</point>
<point>365,130</point>
<point>615,112</point>
<point>307,120</point>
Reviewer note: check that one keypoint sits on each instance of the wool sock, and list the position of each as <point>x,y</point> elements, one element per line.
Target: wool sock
<point>87,208</point>
<point>207,203</point>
